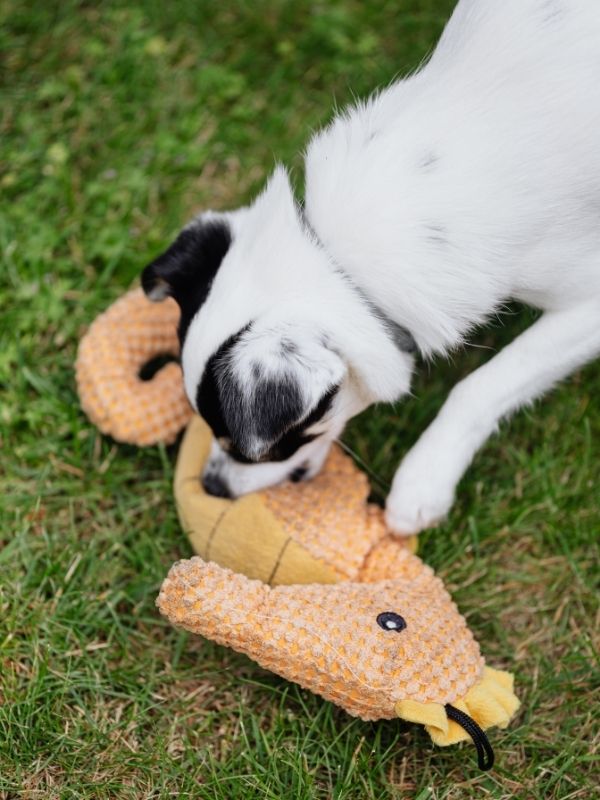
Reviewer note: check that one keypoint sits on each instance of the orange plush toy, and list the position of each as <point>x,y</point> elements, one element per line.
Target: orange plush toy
<point>303,578</point>
<point>111,357</point>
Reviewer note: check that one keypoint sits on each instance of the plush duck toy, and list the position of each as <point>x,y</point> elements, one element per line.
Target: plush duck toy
<point>303,578</point>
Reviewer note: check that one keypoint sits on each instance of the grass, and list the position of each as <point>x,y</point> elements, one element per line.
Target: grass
<point>117,121</point>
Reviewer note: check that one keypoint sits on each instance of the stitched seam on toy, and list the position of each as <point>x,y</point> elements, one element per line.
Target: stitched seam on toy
<point>278,562</point>
<point>214,530</point>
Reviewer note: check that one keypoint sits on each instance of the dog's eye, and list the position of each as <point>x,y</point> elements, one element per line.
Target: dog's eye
<point>390,621</point>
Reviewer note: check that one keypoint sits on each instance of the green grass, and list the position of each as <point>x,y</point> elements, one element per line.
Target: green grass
<point>117,121</point>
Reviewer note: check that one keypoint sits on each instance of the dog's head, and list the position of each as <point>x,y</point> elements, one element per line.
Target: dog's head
<point>262,358</point>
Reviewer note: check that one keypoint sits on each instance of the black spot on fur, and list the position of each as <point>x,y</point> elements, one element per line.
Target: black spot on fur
<point>321,408</point>
<point>297,436</point>
<point>246,416</point>
<point>402,338</point>
<point>234,453</point>
<point>288,348</point>
<point>289,444</point>
<point>187,269</point>
<point>429,161</point>
<point>269,413</point>
<point>436,234</point>
<point>552,11</point>
<point>276,405</point>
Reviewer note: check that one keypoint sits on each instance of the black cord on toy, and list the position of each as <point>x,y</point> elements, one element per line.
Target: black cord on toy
<point>485,754</point>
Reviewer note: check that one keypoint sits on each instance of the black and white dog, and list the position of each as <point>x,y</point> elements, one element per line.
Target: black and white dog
<point>474,181</point>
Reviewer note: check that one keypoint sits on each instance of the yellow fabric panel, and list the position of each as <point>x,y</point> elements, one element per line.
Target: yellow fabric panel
<point>298,566</point>
<point>490,702</point>
<point>431,715</point>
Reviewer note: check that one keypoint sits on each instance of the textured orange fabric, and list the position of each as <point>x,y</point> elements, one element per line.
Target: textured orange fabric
<point>329,515</point>
<point>326,637</point>
<point>117,345</point>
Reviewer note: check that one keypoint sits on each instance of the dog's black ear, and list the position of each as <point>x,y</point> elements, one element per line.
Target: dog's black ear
<point>186,270</point>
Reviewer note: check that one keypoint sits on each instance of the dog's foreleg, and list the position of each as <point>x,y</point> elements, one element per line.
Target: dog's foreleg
<point>425,483</point>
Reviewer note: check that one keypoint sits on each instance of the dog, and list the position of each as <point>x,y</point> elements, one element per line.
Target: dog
<point>470,183</point>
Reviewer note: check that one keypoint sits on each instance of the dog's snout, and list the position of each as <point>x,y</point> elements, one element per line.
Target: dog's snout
<point>215,485</point>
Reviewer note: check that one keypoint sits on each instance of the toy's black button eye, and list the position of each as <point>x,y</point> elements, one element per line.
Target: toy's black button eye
<point>390,621</point>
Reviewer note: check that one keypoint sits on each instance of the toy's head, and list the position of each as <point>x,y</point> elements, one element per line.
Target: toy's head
<point>366,647</point>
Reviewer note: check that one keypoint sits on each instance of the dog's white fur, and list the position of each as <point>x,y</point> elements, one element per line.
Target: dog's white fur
<point>470,183</point>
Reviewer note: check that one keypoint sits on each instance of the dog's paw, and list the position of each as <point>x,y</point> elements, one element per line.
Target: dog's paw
<point>418,500</point>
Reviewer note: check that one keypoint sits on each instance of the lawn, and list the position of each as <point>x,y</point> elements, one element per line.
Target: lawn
<point>118,120</point>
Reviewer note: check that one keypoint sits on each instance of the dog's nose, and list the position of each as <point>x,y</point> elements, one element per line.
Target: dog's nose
<point>215,485</point>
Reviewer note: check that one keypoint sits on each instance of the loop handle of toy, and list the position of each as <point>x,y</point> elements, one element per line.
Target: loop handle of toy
<point>485,753</point>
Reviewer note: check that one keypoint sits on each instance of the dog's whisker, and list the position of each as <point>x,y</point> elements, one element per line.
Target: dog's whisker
<point>475,346</point>
<point>362,463</point>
